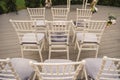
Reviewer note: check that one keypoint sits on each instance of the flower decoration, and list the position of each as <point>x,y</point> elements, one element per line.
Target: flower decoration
<point>111,20</point>
<point>94,9</point>
<point>92,5</point>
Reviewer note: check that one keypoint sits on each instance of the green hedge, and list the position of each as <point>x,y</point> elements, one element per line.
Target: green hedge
<point>6,6</point>
<point>109,2</point>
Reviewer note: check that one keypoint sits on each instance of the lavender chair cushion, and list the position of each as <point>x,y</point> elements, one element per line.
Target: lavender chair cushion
<point>22,67</point>
<point>93,66</point>
<point>30,38</point>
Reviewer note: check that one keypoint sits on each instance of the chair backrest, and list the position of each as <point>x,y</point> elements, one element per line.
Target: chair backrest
<point>7,71</point>
<point>59,31</point>
<point>95,26</point>
<point>110,69</point>
<point>83,14</point>
<point>23,26</point>
<point>84,6</point>
<point>60,13</point>
<point>36,13</point>
<point>58,71</point>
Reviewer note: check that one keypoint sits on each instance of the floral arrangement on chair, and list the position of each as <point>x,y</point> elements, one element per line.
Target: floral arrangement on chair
<point>111,20</point>
<point>92,5</point>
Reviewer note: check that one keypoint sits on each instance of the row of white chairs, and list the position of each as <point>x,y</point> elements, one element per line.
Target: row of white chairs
<point>58,13</point>
<point>39,13</point>
<point>30,39</point>
<point>59,69</point>
<point>58,35</point>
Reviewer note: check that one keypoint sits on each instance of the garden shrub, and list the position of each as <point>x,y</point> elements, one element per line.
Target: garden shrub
<point>11,6</point>
<point>1,10</point>
<point>32,3</point>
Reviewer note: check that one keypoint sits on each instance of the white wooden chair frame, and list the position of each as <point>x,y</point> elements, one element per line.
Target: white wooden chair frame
<point>56,71</point>
<point>60,13</point>
<point>38,14</point>
<point>7,71</point>
<point>59,27</point>
<point>83,15</point>
<point>114,66</point>
<point>85,3</point>
<point>28,27</point>
<point>94,28</point>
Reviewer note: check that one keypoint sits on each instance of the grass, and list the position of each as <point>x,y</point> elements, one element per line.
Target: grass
<point>20,4</point>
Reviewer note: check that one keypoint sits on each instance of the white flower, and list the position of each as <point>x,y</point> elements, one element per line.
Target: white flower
<point>113,21</point>
<point>96,9</point>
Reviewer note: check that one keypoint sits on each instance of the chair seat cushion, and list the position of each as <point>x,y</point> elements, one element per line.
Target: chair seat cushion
<point>55,69</point>
<point>79,23</point>
<point>40,23</point>
<point>30,38</point>
<point>93,65</point>
<point>59,37</point>
<point>22,67</point>
<point>88,37</point>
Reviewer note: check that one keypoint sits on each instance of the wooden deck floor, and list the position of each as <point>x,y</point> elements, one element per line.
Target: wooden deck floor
<point>110,44</point>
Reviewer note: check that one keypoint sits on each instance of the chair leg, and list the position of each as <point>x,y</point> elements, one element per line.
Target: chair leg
<point>33,77</point>
<point>44,45</point>
<point>49,53</point>
<point>79,52</point>
<point>22,54</point>
<point>75,47</point>
<point>97,51</point>
<point>73,38</point>
<point>85,73</point>
<point>68,52</point>
<point>40,49</point>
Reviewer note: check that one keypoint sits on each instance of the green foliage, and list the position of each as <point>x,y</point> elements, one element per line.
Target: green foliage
<point>32,3</point>
<point>109,2</point>
<point>3,6</point>
<point>59,2</point>
<point>1,10</point>
<point>76,2</point>
<point>20,4</point>
<point>11,5</point>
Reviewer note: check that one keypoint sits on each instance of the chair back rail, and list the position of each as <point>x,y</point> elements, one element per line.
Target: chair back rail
<point>36,13</point>
<point>56,71</point>
<point>95,26</point>
<point>83,14</point>
<point>7,71</point>
<point>110,69</point>
<point>23,26</point>
<point>60,13</point>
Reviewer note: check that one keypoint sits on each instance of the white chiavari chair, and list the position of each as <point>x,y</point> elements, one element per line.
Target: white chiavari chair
<point>82,16</point>
<point>7,72</point>
<point>90,37</point>
<point>85,3</point>
<point>38,14</point>
<point>29,38</point>
<point>103,68</point>
<point>60,14</point>
<point>57,70</point>
<point>58,33</point>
